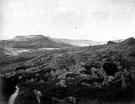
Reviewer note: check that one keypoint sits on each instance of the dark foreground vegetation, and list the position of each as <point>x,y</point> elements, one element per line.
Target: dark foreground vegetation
<point>103,74</point>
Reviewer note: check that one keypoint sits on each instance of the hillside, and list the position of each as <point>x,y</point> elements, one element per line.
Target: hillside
<point>104,73</point>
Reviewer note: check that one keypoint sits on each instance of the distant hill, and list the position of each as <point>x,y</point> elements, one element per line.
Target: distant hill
<point>40,41</point>
<point>23,44</point>
<point>32,42</point>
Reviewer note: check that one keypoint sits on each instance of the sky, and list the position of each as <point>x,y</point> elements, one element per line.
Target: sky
<point>98,20</point>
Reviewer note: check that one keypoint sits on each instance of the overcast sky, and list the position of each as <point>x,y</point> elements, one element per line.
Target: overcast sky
<point>73,19</point>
